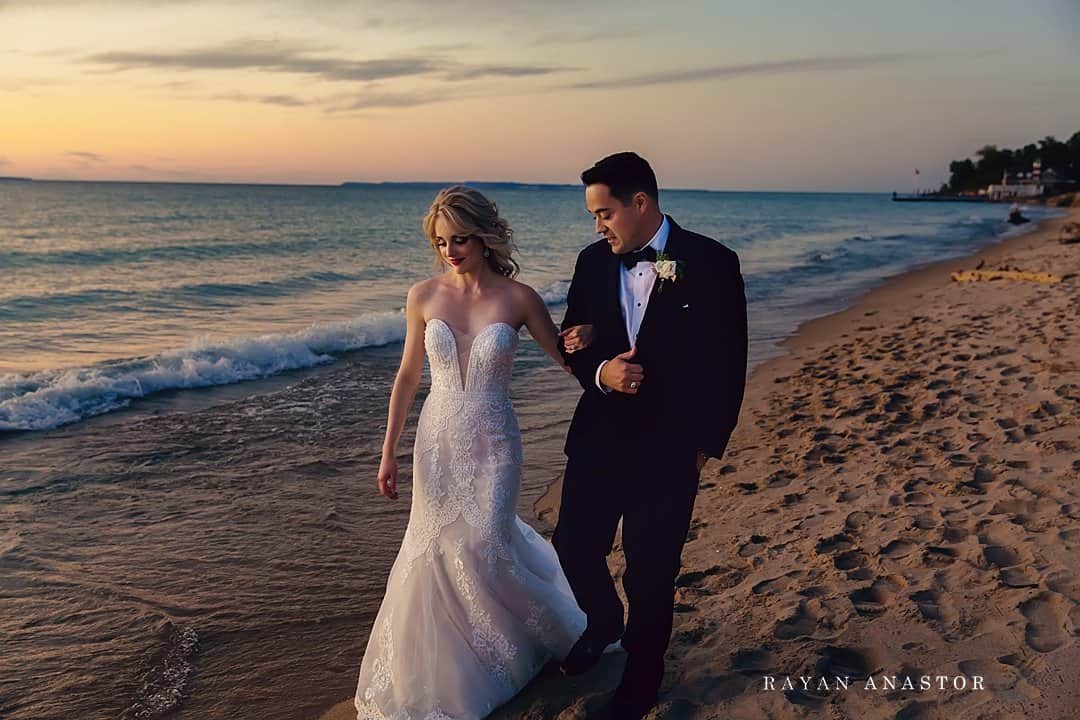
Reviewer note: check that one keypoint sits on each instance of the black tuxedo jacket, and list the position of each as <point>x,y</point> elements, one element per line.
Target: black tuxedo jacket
<point>692,344</point>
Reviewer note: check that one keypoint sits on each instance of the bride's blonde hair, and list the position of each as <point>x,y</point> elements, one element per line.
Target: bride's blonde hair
<point>477,217</point>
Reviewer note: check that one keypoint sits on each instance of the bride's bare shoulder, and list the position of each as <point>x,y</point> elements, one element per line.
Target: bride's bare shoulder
<point>520,290</point>
<point>424,289</point>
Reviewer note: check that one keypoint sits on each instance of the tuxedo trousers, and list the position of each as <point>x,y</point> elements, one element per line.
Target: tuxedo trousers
<point>654,498</point>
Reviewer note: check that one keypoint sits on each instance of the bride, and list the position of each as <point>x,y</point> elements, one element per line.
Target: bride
<point>476,601</point>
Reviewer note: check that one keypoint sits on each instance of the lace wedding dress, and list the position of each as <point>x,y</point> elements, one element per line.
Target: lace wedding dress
<point>476,601</point>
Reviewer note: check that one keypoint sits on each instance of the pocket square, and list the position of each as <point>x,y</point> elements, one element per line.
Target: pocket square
<point>686,306</point>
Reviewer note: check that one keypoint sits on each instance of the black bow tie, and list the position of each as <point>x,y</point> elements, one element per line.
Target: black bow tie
<point>629,260</point>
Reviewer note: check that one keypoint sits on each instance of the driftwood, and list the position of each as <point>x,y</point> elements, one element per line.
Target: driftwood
<point>975,275</point>
<point>1070,233</point>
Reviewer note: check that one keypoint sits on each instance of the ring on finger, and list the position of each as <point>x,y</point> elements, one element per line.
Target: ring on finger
<point>634,385</point>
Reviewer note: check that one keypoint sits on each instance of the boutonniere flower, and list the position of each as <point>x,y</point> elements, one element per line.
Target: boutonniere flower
<point>667,269</point>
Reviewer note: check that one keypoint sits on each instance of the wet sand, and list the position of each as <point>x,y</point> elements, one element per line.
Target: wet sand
<point>901,499</point>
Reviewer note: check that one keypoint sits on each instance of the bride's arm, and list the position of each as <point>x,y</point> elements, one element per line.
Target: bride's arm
<point>401,397</point>
<point>542,327</point>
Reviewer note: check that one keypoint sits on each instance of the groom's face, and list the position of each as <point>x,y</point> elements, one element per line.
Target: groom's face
<point>619,224</point>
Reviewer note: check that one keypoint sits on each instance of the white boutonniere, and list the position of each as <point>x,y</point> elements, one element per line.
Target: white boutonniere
<point>667,269</point>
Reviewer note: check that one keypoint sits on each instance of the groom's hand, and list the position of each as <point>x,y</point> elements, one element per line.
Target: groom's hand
<point>621,375</point>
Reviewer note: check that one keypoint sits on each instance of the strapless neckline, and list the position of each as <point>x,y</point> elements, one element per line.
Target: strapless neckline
<point>463,376</point>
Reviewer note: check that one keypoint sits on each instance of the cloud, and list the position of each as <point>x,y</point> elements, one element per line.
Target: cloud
<point>281,100</point>
<point>478,71</point>
<point>87,156</point>
<point>183,174</point>
<point>585,38</point>
<point>300,60</point>
<point>39,4</point>
<point>26,83</point>
<point>725,72</point>
<point>374,100</point>
<point>267,58</point>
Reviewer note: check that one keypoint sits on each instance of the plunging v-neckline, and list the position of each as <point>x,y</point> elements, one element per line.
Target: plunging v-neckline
<point>463,375</point>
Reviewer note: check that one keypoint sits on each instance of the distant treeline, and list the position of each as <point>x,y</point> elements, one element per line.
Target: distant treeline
<point>969,175</point>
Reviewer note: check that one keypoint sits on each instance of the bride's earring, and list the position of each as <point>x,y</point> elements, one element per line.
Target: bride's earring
<point>487,252</point>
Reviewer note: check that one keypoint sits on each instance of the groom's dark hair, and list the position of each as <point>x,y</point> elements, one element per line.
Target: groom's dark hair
<point>625,173</point>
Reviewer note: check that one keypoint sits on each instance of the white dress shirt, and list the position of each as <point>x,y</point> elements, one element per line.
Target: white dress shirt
<point>635,286</point>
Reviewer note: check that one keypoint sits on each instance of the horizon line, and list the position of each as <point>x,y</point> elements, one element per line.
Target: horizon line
<point>424,183</point>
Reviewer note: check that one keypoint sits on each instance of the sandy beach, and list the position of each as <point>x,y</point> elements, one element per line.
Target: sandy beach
<point>900,500</point>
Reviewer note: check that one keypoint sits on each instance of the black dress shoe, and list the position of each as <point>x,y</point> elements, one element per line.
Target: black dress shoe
<point>587,651</point>
<point>622,707</point>
<point>636,694</point>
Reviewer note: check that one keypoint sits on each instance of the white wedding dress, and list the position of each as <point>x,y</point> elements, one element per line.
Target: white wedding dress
<point>476,602</point>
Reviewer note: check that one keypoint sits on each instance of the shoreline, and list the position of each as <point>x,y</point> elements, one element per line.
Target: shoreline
<point>841,534</point>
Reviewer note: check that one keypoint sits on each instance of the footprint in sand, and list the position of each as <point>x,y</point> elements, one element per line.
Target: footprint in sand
<point>694,630</point>
<point>1020,577</point>
<point>938,556</point>
<point>849,494</point>
<point>753,546</point>
<point>753,662</point>
<point>1047,614</point>
<point>1014,436</point>
<point>792,499</point>
<point>835,543</point>
<point>955,532</point>
<point>781,478</point>
<point>856,521</point>
<point>872,600</point>
<point>1030,666</point>
<point>851,560</point>
<point>714,578</point>
<point>1065,583</point>
<point>997,675</point>
<point>961,460</point>
<point>899,548</point>
<point>1002,546</point>
<point>937,606</point>
<point>1070,537</point>
<point>810,619</point>
<point>835,661</point>
<point>1001,556</point>
<point>1013,506</point>
<point>918,499</point>
<point>775,585</point>
<point>925,520</point>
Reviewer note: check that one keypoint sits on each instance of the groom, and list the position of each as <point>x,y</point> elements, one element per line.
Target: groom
<point>663,380</point>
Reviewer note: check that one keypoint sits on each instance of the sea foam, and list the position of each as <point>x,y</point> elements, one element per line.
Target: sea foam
<point>52,398</point>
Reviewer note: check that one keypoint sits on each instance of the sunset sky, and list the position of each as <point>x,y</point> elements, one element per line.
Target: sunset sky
<point>830,95</point>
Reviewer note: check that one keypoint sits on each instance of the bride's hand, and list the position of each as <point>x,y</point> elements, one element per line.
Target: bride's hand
<point>577,337</point>
<point>387,477</point>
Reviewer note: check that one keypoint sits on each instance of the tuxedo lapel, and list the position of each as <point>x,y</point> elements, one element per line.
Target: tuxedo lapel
<point>612,294</point>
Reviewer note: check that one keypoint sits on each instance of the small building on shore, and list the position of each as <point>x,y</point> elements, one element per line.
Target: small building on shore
<point>1019,185</point>
<point>1034,184</point>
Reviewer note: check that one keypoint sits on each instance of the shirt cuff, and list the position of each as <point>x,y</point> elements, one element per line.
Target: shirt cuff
<point>598,383</point>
